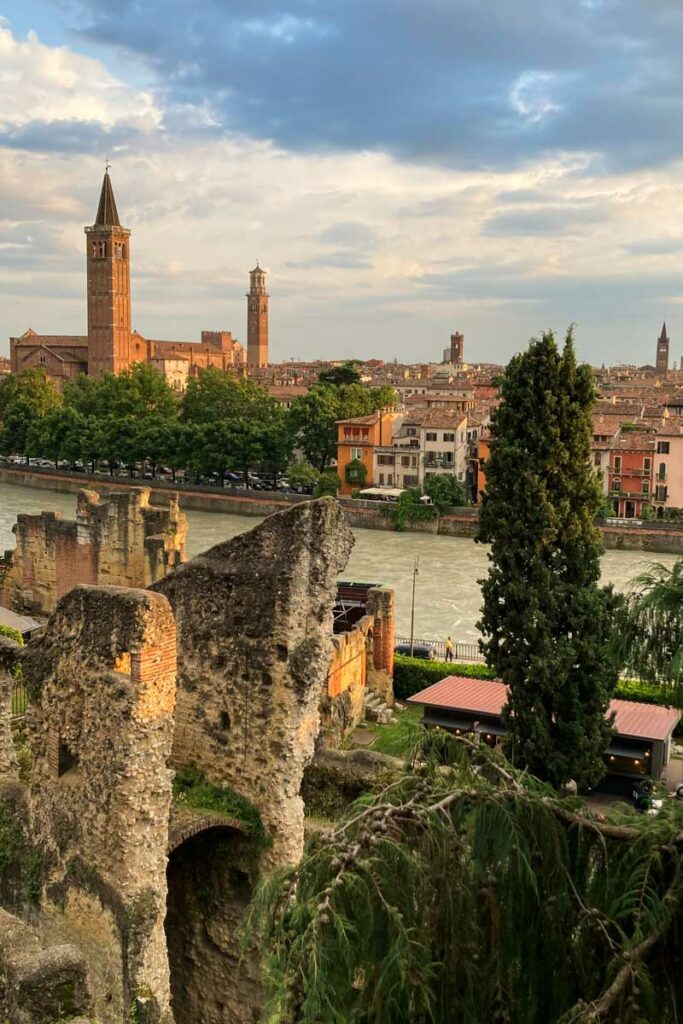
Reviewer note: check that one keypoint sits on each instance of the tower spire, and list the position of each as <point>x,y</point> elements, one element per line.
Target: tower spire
<point>107,214</point>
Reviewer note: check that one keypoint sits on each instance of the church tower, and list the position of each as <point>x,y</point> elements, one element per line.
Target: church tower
<point>662,364</point>
<point>257,318</point>
<point>108,259</point>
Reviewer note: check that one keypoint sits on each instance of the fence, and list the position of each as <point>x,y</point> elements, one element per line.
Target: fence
<point>461,652</point>
<point>19,701</point>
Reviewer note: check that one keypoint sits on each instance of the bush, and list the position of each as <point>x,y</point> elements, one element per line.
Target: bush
<point>414,674</point>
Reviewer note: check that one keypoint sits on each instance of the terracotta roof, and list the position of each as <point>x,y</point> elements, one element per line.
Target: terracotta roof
<point>107,214</point>
<point>365,421</point>
<point>644,721</point>
<point>488,697</point>
<point>52,340</point>
<point>633,441</point>
<point>435,417</point>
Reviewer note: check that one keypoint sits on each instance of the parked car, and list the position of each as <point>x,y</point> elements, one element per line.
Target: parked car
<point>425,651</point>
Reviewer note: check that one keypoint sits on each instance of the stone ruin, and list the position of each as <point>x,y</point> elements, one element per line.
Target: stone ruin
<point>118,539</point>
<point>120,901</point>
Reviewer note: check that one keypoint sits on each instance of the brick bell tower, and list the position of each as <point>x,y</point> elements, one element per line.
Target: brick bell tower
<point>257,318</point>
<point>108,259</point>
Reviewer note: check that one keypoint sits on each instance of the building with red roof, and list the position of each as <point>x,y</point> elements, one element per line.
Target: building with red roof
<point>640,745</point>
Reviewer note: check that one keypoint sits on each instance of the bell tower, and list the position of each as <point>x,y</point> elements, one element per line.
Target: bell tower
<point>108,261</point>
<point>257,318</point>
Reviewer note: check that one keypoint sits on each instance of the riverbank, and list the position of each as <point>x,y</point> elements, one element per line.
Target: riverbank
<point>666,538</point>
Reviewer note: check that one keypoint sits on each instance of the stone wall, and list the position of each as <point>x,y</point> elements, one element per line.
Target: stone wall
<point>101,682</point>
<point>362,662</point>
<point>254,620</point>
<point>118,539</point>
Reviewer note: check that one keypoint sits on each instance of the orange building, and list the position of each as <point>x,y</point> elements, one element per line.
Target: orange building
<point>630,473</point>
<point>356,441</point>
<point>483,450</point>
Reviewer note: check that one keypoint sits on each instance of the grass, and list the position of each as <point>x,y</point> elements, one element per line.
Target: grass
<point>397,739</point>
<point>192,789</point>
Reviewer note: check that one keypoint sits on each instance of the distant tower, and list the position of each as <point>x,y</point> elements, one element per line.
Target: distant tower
<point>457,348</point>
<point>662,353</point>
<point>108,259</point>
<point>257,318</point>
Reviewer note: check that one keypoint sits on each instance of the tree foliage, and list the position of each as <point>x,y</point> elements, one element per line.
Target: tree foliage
<point>545,621</point>
<point>444,490</point>
<point>650,635</point>
<point>467,891</point>
<point>25,398</point>
<point>314,416</point>
<point>347,373</point>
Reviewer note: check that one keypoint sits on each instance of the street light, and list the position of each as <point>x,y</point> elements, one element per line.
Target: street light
<point>412,610</point>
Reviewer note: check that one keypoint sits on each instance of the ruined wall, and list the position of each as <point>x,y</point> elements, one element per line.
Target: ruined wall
<point>101,681</point>
<point>380,606</point>
<point>362,662</point>
<point>254,619</point>
<point>117,540</point>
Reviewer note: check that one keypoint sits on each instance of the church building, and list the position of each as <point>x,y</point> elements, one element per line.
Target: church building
<point>111,345</point>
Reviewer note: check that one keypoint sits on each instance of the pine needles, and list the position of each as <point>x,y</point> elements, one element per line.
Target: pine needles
<point>467,892</point>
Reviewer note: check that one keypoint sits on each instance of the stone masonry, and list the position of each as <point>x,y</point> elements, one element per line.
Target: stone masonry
<point>254,620</point>
<point>248,625</point>
<point>118,539</point>
<point>101,683</point>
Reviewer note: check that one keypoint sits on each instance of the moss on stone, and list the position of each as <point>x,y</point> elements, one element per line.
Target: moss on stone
<point>190,787</point>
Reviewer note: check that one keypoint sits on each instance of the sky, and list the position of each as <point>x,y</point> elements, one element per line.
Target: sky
<point>402,169</point>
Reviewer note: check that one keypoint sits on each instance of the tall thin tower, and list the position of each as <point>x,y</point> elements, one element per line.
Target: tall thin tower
<point>662,363</point>
<point>108,261</point>
<point>257,318</point>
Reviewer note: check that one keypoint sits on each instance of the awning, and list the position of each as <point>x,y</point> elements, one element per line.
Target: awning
<point>619,750</point>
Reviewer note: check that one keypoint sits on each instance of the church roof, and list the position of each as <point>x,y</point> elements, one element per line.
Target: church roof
<point>107,214</point>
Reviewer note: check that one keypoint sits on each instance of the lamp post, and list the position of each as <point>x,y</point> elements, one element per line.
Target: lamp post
<point>412,609</point>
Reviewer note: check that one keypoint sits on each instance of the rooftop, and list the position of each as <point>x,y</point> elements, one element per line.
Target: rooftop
<point>488,697</point>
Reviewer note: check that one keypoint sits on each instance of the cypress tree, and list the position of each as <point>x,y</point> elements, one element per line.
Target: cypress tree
<point>546,621</point>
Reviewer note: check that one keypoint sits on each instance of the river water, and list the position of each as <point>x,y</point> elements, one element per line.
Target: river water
<point>447,595</point>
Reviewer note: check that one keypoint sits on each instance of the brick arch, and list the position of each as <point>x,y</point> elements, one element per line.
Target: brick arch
<point>180,833</point>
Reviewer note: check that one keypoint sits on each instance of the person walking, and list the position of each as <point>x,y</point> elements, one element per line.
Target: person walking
<point>449,649</point>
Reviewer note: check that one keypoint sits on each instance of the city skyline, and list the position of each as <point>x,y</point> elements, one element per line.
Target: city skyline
<point>438,179</point>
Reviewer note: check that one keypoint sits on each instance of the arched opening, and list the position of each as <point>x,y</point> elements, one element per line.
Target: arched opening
<point>211,877</point>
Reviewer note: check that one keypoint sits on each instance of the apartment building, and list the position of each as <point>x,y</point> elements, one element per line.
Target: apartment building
<point>425,441</point>
<point>630,473</point>
<point>357,439</point>
<point>668,472</point>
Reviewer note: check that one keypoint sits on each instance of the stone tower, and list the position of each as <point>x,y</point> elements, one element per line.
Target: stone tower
<point>662,363</point>
<point>457,348</point>
<point>108,259</point>
<point>257,318</point>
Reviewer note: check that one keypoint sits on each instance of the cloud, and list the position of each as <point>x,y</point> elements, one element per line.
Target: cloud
<point>655,247</point>
<point>457,82</point>
<point>545,220</point>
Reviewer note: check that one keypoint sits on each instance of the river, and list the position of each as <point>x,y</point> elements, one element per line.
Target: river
<point>447,595</point>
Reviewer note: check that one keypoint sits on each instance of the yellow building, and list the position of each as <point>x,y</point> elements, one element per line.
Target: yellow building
<point>356,441</point>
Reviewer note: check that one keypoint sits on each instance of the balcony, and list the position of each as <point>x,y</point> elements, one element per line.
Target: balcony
<point>438,461</point>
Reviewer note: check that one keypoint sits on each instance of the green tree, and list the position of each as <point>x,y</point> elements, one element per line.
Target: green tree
<point>546,623</point>
<point>303,474</point>
<point>328,483</point>
<point>466,891</point>
<point>58,435</point>
<point>314,416</point>
<point>25,398</point>
<point>347,373</point>
<point>444,490</point>
<point>650,635</point>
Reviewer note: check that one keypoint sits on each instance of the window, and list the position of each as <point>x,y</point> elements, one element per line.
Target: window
<point>413,460</point>
<point>646,486</point>
<point>661,472</point>
<point>68,761</point>
<point>662,447</point>
<point>616,485</point>
<point>431,436</point>
<point>385,460</point>
<point>661,493</point>
<point>405,460</point>
<point>597,459</point>
<point>357,453</point>
<point>647,465</point>
<point>617,463</point>
<point>449,437</point>
<point>411,431</point>
<point>410,481</point>
<point>390,479</point>
<point>381,479</point>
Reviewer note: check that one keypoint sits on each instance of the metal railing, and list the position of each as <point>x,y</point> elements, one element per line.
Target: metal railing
<point>461,651</point>
<point>19,701</point>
